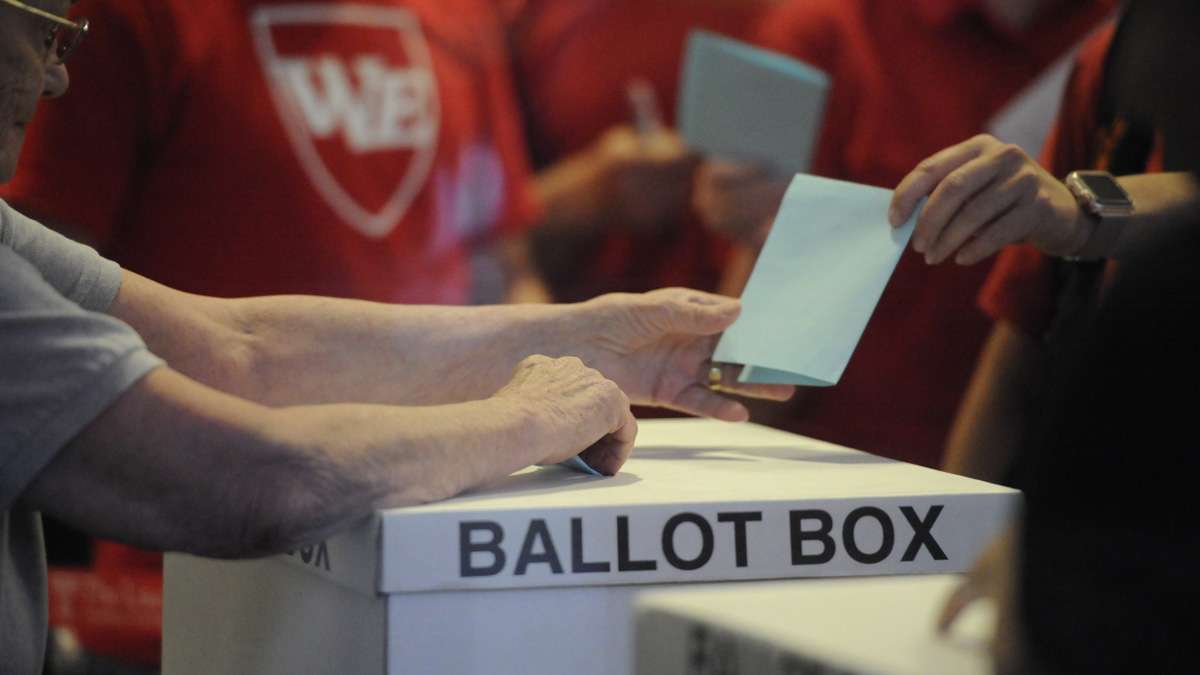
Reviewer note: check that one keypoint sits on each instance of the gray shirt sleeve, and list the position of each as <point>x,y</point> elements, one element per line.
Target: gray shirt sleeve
<point>61,362</point>
<point>76,271</point>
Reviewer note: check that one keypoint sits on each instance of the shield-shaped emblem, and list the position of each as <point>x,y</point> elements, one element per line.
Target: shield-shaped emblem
<point>355,89</point>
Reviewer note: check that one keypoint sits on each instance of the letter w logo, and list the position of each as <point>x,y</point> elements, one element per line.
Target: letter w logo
<point>386,111</point>
<point>355,92</point>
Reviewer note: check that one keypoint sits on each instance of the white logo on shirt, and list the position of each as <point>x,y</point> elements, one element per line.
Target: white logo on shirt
<point>387,112</point>
<point>340,110</point>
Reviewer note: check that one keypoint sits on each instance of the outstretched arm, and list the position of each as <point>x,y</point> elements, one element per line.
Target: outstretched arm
<point>992,420</point>
<point>292,350</point>
<point>984,195</point>
<point>176,465</point>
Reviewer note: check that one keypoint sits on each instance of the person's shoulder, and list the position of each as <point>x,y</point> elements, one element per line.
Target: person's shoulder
<point>20,281</point>
<point>9,222</point>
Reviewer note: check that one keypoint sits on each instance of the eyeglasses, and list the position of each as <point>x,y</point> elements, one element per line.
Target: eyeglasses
<point>62,36</point>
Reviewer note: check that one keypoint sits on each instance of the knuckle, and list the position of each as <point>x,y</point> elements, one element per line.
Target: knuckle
<point>1043,203</point>
<point>988,240</point>
<point>618,396</point>
<point>1027,182</point>
<point>972,214</point>
<point>955,183</point>
<point>610,388</point>
<point>1011,152</point>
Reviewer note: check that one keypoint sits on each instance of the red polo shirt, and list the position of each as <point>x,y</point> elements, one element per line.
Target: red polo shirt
<point>910,78</point>
<point>574,61</point>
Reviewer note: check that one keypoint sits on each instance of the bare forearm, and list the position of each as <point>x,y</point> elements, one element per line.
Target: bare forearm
<point>174,465</point>
<point>292,350</point>
<point>992,420</point>
<point>571,196</point>
<point>1165,203</point>
<point>308,350</point>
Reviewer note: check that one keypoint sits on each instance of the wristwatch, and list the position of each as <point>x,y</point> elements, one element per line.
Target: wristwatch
<point>1102,198</point>
<point>1100,194</point>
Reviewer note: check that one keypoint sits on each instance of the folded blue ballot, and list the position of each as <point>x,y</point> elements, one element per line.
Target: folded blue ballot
<point>826,262</point>
<point>744,103</point>
<point>576,463</point>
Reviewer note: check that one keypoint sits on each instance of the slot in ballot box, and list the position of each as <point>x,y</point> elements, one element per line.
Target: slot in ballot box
<point>876,626</point>
<point>537,573</point>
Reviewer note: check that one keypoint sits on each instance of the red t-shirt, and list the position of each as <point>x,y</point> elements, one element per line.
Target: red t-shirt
<point>909,79</point>
<point>575,59</point>
<point>247,147</point>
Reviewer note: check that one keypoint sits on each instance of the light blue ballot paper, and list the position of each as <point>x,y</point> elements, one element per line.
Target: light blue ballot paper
<point>826,262</point>
<point>576,463</point>
<point>744,103</point>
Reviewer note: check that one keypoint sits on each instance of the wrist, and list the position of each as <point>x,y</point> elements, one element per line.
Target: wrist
<point>553,330</point>
<point>508,430</point>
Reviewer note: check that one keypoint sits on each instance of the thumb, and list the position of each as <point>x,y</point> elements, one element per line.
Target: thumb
<point>688,312</point>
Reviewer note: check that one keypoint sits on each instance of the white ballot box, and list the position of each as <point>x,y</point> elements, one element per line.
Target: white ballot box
<point>876,626</point>
<point>537,573</point>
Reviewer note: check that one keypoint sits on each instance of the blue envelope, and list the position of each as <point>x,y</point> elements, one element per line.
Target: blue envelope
<point>821,273</point>
<point>744,103</point>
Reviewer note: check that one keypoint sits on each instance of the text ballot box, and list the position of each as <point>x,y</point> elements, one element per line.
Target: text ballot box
<point>537,573</point>
<point>875,626</point>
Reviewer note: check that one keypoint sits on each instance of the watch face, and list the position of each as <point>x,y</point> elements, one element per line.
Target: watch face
<point>1106,189</point>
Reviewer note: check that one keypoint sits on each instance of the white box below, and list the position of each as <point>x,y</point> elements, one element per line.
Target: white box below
<point>878,626</point>
<point>537,573</point>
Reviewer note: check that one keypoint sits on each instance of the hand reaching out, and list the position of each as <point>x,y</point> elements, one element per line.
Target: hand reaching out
<point>983,196</point>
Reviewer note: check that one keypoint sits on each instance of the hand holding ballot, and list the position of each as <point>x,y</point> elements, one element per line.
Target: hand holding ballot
<point>738,200</point>
<point>629,178</point>
<point>756,115</point>
<point>657,347</point>
<point>742,103</point>
<point>984,195</point>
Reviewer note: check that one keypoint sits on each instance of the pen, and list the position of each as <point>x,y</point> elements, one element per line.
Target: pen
<point>643,102</point>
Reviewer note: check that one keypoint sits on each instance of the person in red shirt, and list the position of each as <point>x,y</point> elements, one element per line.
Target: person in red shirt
<point>614,181</point>
<point>1019,297</point>
<point>249,147</point>
<point>354,150</point>
<point>1024,294</point>
<point>1080,397</point>
<point>908,79</point>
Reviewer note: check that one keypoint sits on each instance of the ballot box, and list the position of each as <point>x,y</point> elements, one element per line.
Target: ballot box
<point>876,626</point>
<point>537,573</point>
